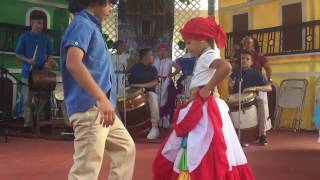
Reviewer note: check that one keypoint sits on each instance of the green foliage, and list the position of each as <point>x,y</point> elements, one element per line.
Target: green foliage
<point>181,45</point>
<point>185,1</point>
<point>110,43</point>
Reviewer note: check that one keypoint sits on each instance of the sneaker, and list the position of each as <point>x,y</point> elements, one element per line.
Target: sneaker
<point>153,134</point>
<point>263,140</point>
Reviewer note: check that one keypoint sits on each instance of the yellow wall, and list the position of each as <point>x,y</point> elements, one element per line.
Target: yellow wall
<point>265,15</point>
<point>225,3</point>
<point>298,64</point>
<point>316,9</point>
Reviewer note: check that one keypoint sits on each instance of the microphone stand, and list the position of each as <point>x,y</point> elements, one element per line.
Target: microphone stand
<point>117,73</point>
<point>239,102</point>
<point>160,89</point>
<point>124,96</point>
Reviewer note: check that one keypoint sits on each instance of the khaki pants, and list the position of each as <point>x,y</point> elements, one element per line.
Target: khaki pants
<point>92,140</point>
<point>261,117</point>
<point>27,103</point>
<point>152,99</point>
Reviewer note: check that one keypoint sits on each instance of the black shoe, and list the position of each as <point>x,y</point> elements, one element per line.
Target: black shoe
<point>263,140</point>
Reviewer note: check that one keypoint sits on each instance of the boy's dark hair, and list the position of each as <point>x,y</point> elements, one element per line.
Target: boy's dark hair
<point>255,43</point>
<point>79,5</point>
<point>246,52</point>
<point>37,15</point>
<point>143,52</point>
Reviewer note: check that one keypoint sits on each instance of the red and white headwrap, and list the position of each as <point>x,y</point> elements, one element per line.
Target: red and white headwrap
<point>201,28</point>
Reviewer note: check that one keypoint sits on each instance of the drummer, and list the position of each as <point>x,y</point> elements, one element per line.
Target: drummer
<point>144,75</point>
<point>34,49</point>
<point>252,81</point>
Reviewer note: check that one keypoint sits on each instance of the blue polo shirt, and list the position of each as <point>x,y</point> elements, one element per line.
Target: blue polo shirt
<point>186,63</point>
<point>251,77</point>
<point>84,32</point>
<point>26,46</point>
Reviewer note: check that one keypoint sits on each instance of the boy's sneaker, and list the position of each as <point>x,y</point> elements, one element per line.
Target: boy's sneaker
<point>153,134</point>
<point>263,140</point>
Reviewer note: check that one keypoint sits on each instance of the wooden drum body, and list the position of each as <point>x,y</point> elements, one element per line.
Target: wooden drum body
<point>42,81</point>
<point>249,115</point>
<point>137,111</point>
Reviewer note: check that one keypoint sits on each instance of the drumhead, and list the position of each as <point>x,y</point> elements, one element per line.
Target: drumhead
<point>245,97</point>
<point>131,93</point>
<point>58,92</point>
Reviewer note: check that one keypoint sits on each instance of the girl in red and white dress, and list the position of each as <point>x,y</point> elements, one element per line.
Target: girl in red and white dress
<point>203,144</point>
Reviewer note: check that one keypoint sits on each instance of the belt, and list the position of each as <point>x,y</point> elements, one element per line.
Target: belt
<point>163,77</point>
<point>120,72</point>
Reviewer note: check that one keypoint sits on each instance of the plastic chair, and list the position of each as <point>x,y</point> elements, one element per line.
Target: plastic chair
<point>3,126</point>
<point>292,94</point>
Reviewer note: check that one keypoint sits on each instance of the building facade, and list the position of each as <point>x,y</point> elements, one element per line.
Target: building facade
<point>288,32</point>
<point>15,20</point>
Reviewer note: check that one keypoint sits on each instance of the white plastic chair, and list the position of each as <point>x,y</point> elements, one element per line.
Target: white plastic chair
<point>292,94</point>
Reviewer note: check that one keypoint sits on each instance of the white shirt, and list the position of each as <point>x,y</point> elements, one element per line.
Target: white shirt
<point>202,73</point>
<point>163,66</point>
<point>119,61</point>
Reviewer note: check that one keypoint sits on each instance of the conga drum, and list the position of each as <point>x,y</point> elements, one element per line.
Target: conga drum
<point>42,81</point>
<point>248,124</point>
<point>41,85</point>
<point>61,109</point>
<point>135,105</point>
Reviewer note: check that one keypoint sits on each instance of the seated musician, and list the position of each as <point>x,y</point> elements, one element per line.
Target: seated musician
<point>144,75</point>
<point>252,81</point>
<point>35,50</point>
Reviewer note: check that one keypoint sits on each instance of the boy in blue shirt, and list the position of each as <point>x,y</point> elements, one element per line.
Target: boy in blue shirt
<point>252,81</point>
<point>35,50</point>
<point>186,63</point>
<point>90,96</point>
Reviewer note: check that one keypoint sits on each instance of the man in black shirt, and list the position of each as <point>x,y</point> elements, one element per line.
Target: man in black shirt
<point>144,75</point>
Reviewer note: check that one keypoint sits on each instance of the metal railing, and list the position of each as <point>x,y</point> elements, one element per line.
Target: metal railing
<point>281,40</point>
<point>9,35</point>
